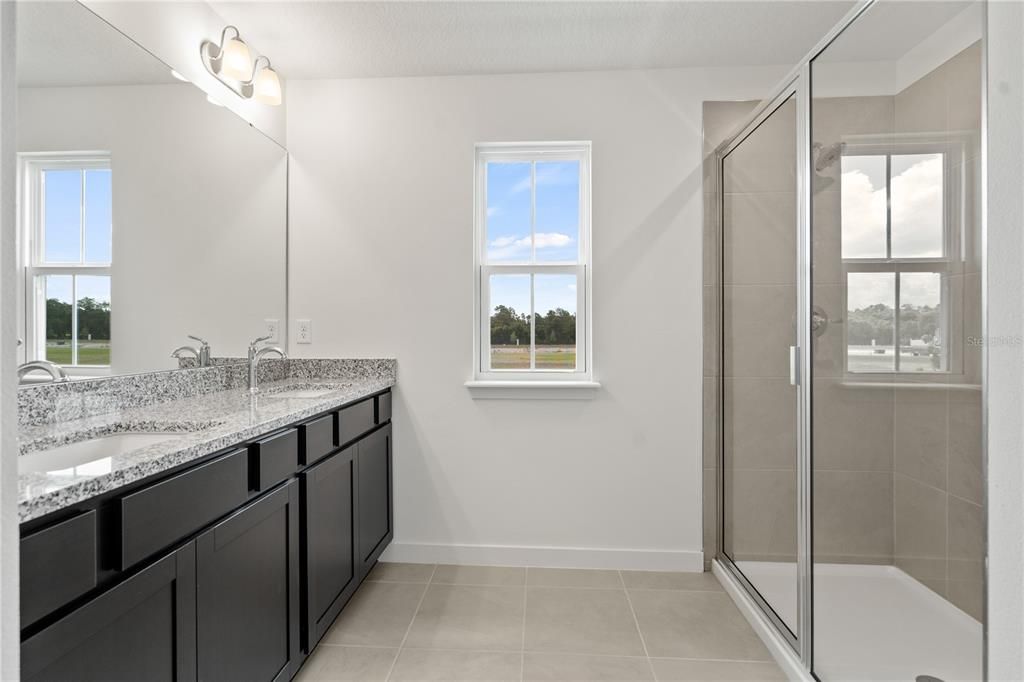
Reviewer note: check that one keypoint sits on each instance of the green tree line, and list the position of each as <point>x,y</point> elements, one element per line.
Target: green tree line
<point>876,322</point>
<point>93,319</point>
<point>556,327</point>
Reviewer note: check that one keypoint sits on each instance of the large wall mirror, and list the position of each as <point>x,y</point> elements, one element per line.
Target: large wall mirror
<point>147,212</point>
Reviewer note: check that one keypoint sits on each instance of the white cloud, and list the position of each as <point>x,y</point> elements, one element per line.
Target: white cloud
<point>863,217</point>
<point>916,188</point>
<point>505,248</point>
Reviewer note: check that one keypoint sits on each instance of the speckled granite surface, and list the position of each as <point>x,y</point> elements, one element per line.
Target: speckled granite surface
<point>60,402</point>
<point>201,422</point>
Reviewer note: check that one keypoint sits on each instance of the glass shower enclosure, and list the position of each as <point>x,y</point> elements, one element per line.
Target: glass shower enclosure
<point>848,305</point>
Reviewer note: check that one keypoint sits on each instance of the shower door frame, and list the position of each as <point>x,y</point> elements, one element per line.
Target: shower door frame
<point>791,88</point>
<point>796,84</point>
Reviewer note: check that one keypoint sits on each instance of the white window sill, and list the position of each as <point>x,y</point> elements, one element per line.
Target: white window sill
<point>532,390</point>
<point>924,386</point>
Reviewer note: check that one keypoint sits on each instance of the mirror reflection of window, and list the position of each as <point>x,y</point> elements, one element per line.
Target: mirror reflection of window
<point>894,253</point>
<point>69,230</point>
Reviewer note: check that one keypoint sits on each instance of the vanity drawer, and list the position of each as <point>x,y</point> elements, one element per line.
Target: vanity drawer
<point>163,513</point>
<point>384,407</point>
<point>58,563</point>
<point>355,420</point>
<point>274,459</point>
<point>317,438</point>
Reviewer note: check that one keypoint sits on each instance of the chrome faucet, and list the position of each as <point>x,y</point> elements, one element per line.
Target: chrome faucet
<point>202,353</point>
<point>255,355</point>
<point>57,372</point>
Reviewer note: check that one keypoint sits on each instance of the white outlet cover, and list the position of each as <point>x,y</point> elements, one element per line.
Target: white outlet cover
<point>304,331</point>
<point>270,329</point>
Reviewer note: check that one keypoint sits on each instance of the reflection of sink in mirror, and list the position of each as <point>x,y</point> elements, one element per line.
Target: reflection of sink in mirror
<point>88,457</point>
<point>307,391</point>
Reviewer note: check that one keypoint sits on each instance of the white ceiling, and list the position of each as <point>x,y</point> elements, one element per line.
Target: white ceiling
<point>891,29</point>
<point>372,39</point>
<point>64,44</point>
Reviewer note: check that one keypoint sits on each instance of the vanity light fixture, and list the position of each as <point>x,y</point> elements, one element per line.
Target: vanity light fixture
<point>179,76</point>
<point>231,64</point>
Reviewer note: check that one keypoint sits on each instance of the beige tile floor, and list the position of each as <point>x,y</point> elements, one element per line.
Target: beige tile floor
<point>427,622</point>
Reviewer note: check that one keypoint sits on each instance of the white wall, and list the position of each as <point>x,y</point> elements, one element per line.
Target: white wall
<point>10,631</point>
<point>173,31</point>
<point>199,202</point>
<point>1005,331</point>
<point>381,233</point>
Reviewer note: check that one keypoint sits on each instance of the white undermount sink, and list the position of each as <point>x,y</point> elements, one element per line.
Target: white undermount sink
<point>88,457</point>
<point>308,391</point>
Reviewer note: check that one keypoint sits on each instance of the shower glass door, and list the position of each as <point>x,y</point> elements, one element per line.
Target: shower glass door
<point>898,520</point>
<point>759,399</point>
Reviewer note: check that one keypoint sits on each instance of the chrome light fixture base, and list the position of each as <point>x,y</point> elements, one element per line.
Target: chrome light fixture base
<point>261,74</point>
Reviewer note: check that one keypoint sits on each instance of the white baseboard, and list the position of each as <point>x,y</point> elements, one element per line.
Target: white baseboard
<point>777,646</point>
<point>551,557</point>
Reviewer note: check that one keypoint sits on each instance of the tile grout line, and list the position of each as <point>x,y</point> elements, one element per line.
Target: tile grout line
<point>545,652</point>
<point>419,604</point>
<point>636,622</point>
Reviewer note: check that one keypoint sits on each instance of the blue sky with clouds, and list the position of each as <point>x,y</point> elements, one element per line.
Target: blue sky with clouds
<point>556,235</point>
<point>64,219</point>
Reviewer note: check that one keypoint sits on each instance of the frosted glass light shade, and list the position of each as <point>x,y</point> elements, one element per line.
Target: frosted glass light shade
<point>236,62</point>
<point>267,88</point>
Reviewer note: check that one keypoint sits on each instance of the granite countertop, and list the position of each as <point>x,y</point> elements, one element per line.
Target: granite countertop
<point>195,427</point>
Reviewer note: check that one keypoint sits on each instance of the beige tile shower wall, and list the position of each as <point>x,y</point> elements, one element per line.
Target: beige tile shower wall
<point>758,326</point>
<point>719,120</point>
<point>852,428</point>
<point>937,482</point>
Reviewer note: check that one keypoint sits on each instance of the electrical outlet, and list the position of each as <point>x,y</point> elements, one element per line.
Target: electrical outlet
<point>271,329</point>
<point>304,331</point>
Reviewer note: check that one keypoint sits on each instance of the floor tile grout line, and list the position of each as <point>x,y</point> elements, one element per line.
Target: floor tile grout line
<point>636,622</point>
<point>419,604</point>
<point>544,652</point>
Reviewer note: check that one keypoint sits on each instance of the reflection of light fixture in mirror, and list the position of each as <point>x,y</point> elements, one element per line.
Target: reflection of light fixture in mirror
<point>230,62</point>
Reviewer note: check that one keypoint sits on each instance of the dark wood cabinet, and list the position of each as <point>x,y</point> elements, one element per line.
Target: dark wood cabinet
<point>247,596</point>
<point>374,496</point>
<point>331,556</point>
<point>142,629</point>
<point>231,569</point>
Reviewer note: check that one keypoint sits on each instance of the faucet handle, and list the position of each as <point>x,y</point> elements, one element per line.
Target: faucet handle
<point>258,340</point>
<point>203,342</point>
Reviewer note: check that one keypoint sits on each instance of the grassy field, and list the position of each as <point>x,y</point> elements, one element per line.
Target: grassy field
<point>518,357</point>
<point>89,353</point>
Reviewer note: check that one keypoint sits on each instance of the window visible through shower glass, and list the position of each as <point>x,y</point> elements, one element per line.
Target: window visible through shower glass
<point>893,242</point>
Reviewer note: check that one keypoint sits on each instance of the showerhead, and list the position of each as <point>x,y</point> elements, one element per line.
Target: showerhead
<point>824,157</point>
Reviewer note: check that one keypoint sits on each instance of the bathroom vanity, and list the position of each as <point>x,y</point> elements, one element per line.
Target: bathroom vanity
<point>221,551</point>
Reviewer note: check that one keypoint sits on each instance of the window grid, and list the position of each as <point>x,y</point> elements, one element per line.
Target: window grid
<point>898,266</point>
<point>34,168</point>
<point>533,154</point>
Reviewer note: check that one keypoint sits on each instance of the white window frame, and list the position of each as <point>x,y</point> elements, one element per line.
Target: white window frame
<point>532,152</point>
<point>948,264</point>
<point>31,220</point>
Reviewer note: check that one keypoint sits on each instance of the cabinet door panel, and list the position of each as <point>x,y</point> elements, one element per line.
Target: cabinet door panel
<point>247,594</point>
<point>142,629</point>
<point>374,473</point>
<point>331,566</point>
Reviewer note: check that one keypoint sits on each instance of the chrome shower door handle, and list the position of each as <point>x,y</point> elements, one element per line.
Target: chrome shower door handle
<point>794,365</point>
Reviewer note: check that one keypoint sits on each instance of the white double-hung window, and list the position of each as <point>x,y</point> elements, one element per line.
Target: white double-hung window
<point>902,247</point>
<point>533,262</point>
<point>66,218</point>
